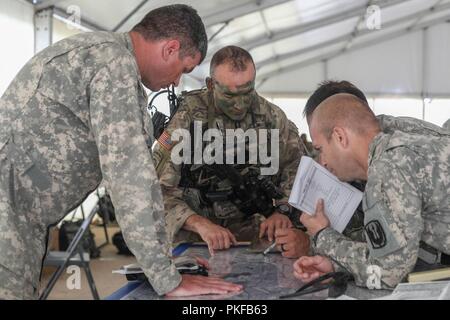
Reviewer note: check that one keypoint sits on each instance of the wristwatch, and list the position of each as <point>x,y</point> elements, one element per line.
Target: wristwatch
<point>284,209</point>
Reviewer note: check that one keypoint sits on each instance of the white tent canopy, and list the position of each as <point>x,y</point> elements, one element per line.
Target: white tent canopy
<point>298,43</point>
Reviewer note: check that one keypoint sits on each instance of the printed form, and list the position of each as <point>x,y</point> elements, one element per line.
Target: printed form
<point>314,182</point>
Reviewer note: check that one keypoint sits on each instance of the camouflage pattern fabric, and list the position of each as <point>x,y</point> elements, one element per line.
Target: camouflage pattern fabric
<point>195,106</point>
<point>406,200</point>
<point>389,124</point>
<point>73,117</point>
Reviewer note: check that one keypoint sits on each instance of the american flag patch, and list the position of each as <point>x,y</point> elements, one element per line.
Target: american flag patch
<point>165,141</point>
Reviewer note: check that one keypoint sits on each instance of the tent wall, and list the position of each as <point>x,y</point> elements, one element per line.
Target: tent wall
<point>393,67</point>
<point>298,81</point>
<point>438,60</point>
<point>17,38</point>
<point>413,65</point>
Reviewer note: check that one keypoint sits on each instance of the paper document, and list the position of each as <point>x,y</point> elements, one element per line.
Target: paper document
<point>438,290</point>
<point>314,182</point>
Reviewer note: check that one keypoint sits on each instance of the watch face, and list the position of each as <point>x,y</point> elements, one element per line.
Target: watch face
<point>284,208</point>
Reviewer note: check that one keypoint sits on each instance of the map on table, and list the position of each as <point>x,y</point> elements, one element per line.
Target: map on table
<point>264,277</point>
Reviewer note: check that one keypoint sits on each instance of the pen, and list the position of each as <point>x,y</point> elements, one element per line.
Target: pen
<point>270,248</point>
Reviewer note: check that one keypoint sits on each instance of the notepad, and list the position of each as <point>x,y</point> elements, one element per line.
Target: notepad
<point>314,182</point>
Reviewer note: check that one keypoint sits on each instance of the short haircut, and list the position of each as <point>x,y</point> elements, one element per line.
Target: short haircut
<point>236,57</point>
<point>328,88</point>
<point>179,22</point>
<point>345,110</point>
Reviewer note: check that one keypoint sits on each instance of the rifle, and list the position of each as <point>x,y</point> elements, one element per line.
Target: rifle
<point>231,192</point>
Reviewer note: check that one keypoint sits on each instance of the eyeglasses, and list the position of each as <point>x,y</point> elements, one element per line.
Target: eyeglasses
<point>337,286</point>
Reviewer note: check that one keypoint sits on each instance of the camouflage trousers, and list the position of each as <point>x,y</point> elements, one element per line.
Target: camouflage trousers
<point>14,272</point>
<point>14,287</point>
<point>22,238</point>
<point>244,229</point>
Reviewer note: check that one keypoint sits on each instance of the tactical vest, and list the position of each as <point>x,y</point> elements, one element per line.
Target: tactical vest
<point>227,191</point>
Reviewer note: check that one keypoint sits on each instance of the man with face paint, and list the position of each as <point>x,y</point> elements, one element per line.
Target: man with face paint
<point>229,102</point>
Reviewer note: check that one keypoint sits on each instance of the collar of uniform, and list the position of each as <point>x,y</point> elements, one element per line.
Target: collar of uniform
<point>127,41</point>
<point>377,146</point>
<point>258,107</point>
<point>125,37</point>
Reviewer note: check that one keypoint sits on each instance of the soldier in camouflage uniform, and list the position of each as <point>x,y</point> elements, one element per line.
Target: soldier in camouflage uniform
<point>229,102</point>
<point>406,199</point>
<point>75,116</point>
<point>388,124</point>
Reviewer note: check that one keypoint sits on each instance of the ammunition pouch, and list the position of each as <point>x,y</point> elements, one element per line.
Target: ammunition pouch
<point>194,200</point>
<point>226,210</point>
<point>225,191</point>
<point>228,191</point>
<point>221,207</point>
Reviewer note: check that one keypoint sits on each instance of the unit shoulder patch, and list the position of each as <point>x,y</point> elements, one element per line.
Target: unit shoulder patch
<point>376,234</point>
